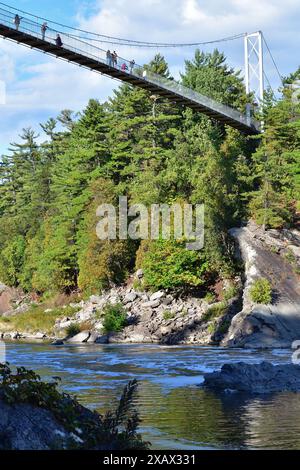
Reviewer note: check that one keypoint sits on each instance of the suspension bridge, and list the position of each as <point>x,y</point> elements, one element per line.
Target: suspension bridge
<point>79,47</point>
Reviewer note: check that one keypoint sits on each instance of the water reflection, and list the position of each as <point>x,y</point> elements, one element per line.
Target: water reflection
<point>176,412</point>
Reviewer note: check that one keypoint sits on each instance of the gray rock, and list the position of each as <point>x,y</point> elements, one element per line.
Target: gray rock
<point>167,300</point>
<point>82,337</point>
<point>58,342</point>
<point>93,337</point>
<point>157,295</point>
<point>151,304</point>
<point>95,299</point>
<point>255,378</point>
<point>130,297</point>
<point>26,427</point>
<point>39,336</point>
<point>139,274</point>
<point>102,339</point>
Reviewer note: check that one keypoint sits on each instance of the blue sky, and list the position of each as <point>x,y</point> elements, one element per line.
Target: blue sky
<point>38,87</point>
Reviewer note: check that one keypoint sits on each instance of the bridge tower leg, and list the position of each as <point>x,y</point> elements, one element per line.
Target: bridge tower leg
<point>254,65</point>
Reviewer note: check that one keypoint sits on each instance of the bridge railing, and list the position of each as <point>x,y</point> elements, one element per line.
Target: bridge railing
<point>77,41</point>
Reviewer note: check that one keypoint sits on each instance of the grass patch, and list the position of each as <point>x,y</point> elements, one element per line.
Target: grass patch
<point>210,298</point>
<point>138,285</point>
<point>230,292</point>
<point>36,319</point>
<point>215,311</point>
<point>73,329</point>
<point>168,315</point>
<point>290,257</point>
<point>261,291</point>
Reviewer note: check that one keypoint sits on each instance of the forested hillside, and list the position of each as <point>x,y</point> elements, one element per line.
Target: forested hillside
<point>154,152</point>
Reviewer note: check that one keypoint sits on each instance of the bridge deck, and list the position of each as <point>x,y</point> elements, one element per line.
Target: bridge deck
<point>87,55</point>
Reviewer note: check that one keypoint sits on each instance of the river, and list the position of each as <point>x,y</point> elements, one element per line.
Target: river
<point>176,412</point>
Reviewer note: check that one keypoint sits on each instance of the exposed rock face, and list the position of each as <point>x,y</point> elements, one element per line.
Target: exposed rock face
<point>265,256</point>
<point>27,427</point>
<point>255,378</point>
<point>11,300</point>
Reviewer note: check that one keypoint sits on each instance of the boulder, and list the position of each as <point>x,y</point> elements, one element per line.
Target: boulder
<point>139,274</point>
<point>157,295</point>
<point>82,337</point>
<point>102,339</point>
<point>130,297</point>
<point>27,427</point>
<point>151,304</point>
<point>95,299</point>
<point>255,378</point>
<point>167,300</point>
<point>58,342</point>
<point>93,338</point>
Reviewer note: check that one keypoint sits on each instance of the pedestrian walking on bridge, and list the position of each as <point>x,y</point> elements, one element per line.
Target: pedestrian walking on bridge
<point>17,22</point>
<point>44,29</point>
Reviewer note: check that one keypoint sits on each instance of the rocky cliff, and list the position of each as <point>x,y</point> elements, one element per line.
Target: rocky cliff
<point>273,255</point>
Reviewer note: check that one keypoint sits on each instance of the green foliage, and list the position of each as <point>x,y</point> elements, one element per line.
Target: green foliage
<point>210,297</point>
<point>276,166</point>
<point>215,311</point>
<point>114,318</point>
<point>152,151</point>
<point>168,315</point>
<point>73,329</point>
<point>261,291</point>
<point>116,429</point>
<point>230,292</point>
<point>168,264</point>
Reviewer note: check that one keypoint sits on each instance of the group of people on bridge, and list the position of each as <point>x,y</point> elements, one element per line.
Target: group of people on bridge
<point>44,27</point>
<point>112,59</point>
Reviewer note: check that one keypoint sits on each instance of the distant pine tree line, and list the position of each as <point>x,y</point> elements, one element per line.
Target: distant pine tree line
<point>152,151</point>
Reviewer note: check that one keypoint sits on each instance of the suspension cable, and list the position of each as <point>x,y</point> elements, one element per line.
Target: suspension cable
<point>124,41</point>
<point>273,60</point>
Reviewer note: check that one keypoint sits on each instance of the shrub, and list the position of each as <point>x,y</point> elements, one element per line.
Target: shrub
<point>114,318</point>
<point>168,264</point>
<point>261,291</point>
<point>73,329</point>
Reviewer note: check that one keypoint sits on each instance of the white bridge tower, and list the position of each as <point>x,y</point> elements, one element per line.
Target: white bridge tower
<point>254,65</point>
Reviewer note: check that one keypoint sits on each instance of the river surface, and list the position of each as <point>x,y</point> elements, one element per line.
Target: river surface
<point>176,412</point>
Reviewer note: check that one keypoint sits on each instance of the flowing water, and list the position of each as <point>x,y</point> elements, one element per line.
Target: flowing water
<point>176,412</point>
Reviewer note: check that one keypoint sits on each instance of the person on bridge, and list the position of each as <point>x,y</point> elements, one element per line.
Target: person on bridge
<point>109,58</point>
<point>44,29</point>
<point>58,41</point>
<point>131,65</point>
<point>17,21</point>
<point>124,67</point>
<point>115,59</point>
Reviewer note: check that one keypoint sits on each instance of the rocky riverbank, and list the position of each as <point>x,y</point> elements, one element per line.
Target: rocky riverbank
<point>229,317</point>
<point>157,317</point>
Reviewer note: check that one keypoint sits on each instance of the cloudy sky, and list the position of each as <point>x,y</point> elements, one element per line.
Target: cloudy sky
<point>38,86</point>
